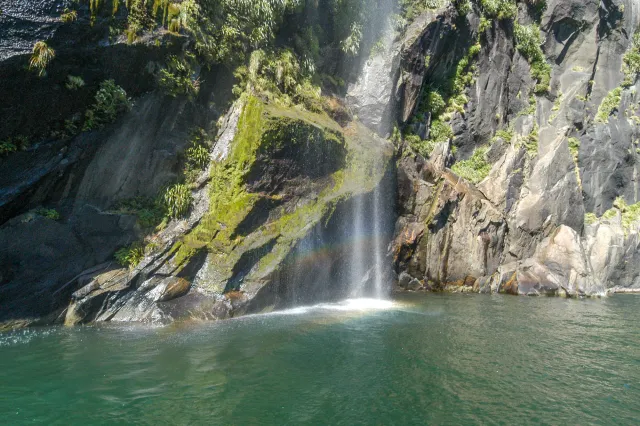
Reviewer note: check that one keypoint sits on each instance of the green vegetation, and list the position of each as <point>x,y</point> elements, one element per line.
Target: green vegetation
<point>261,128</point>
<point>74,82</point>
<point>111,101</point>
<point>443,101</point>
<point>130,256</point>
<point>476,168</point>
<point>590,218</point>
<point>528,44</point>
<point>279,78</point>
<point>69,16</point>
<point>423,147</point>
<point>574,147</point>
<point>499,9</point>
<point>531,141</point>
<point>504,134</point>
<point>150,213</point>
<point>376,49</point>
<point>177,78</point>
<point>41,56</point>
<point>629,214</point>
<point>631,61</point>
<point>197,156</point>
<point>177,199</point>
<point>531,109</point>
<point>463,7</point>
<point>609,104</point>
<point>48,213</point>
<point>411,9</point>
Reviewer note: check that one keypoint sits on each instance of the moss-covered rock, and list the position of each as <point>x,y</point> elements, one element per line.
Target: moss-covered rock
<point>286,172</point>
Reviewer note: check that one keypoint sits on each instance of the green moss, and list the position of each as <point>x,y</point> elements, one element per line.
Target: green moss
<point>609,104</point>
<point>262,129</point>
<point>229,200</point>
<point>476,168</point>
<point>528,44</point>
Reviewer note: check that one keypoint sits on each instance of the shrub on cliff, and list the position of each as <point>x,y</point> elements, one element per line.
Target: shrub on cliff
<point>499,9</point>
<point>177,200</point>
<point>41,56</point>
<point>528,44</point>
<point>609,104</point>
<point>111,101</point>
<point>178,78</point>
<point>475,169</point>
<point>130,256</point>
<point>631,61</point>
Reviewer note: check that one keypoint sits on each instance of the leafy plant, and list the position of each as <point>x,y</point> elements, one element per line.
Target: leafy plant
<point>351,44</point>
<point>476,168</point>
<point>631,61</point>
<point>422,147</point>
<point>278,76</point>
<point>13,144</point>
<point>110,101</point>
<point>41,56</point>
<point>177,199</point>
<point>531,141</point>
<point>528,44</point>
<point>130,256</point>
<point>74,82</point>
<point>574,146</point>
<point>178,78</point>
<point>48,213</point>
<point>609,104</point>
<point>69,16</point>
<point>197,156</point>
<point>7,147</point>
<point>504,134</point>
<point>499,9</point>
<point>149,212</point>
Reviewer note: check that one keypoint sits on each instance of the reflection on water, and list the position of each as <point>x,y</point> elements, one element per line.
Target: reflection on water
<point>455,359</point>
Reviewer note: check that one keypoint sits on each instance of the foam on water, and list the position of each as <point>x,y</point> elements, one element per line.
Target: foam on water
<point>348,305</point>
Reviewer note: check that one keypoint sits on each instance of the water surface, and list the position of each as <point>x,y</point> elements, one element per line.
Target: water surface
<point>423,359</point>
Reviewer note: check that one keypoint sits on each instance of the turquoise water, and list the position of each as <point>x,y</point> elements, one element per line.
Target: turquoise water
<point>425,359</point>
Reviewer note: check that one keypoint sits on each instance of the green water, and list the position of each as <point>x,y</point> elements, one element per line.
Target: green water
<point>427,359</point>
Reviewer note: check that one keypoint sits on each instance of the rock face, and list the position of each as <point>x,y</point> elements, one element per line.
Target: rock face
<point>550,207</point>
<point>522,229</point>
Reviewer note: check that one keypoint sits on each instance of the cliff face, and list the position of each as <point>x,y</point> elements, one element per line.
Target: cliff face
<point>213,204</point>
<point>553,209</point>
<point>516,147</point>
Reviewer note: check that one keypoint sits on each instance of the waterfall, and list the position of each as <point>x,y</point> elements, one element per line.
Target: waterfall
<point>358,261</point>
<point>377,244</point>
<point>366,275</point>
